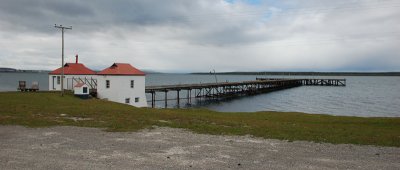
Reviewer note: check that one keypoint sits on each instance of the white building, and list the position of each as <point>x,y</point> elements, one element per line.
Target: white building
<point>81,89</point>
<point>120,82</point>
<point>72,71</point>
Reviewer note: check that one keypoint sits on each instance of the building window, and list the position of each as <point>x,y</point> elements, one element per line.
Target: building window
<point>127,100</point>
<point>84,90</point>
<point>136,99</point>
<point>132,83</point>
<point>58,80</point>
<point>107,84</point>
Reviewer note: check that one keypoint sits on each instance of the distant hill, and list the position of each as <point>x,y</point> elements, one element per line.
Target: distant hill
<point>4,69</point>
<point>149,71</point>
<point>309,73</point>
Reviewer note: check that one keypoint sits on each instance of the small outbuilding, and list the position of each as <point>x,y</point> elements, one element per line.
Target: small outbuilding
<point>81,90</point>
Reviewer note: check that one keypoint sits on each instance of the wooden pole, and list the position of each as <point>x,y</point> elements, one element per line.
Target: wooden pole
<point>62,62</point>
<point>62,54</point>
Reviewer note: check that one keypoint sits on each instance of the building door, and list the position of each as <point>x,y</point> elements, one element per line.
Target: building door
<point>54,80</point>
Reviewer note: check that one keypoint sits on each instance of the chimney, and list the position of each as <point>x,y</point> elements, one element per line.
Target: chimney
<point>76,59</point>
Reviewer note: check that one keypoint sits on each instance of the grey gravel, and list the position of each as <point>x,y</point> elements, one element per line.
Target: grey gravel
<point>168,148</point>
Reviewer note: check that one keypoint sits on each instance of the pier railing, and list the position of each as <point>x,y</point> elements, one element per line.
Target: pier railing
<point>315,82</point>
<point>89,81</point>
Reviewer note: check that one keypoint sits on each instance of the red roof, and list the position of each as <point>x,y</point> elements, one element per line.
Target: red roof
<point>79,85</point>
<point>121,69</point>
<point>74,69</point>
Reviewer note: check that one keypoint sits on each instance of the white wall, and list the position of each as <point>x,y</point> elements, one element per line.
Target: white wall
<point>120,89</point>
<point>68,82</point>
<point>51,81</point>
<point>79,90</point>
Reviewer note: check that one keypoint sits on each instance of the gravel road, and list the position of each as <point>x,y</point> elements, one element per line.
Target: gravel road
<point>167,148</point>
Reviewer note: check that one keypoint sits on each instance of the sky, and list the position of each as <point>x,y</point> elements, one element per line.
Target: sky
<point>203,35</point>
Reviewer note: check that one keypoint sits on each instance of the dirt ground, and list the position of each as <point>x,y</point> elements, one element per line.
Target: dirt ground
<point>167,148</point>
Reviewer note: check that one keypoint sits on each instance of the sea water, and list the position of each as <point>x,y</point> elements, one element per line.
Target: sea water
<point>366,96</point>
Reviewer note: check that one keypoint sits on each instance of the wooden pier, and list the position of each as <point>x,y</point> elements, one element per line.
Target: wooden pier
<point>231,89</point>
<point>316,82</point>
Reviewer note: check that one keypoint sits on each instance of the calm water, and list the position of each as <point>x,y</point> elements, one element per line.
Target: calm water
<point>363,96</point>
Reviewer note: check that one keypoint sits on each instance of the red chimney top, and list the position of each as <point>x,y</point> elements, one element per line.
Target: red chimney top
<point>76,59</point>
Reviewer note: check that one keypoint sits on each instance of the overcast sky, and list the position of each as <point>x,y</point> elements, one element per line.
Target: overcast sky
<point>202,35</point>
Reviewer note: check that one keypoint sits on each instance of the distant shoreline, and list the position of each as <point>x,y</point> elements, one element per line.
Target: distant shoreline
<point>13,70</point>
<point>307,73</point>
<point>273,73</point>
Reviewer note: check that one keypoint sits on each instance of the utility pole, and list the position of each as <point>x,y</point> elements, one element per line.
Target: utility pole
<point>62,54</point>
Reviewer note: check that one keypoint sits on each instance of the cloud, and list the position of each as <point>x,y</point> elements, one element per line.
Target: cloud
<point>200,35</point>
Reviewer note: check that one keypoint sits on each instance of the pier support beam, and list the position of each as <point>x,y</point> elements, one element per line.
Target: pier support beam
<point>153,99</point>
<point>177,98</point>
<point>166,99</point>
<point>189,96</point>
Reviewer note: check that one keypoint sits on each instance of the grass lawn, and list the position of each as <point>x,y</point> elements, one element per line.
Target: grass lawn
<point>50,109</point>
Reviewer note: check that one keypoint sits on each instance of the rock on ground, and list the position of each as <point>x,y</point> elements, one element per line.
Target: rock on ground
<point>167,148</point>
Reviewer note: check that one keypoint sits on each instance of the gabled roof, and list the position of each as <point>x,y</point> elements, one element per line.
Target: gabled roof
<point>80,85</point>
<point>74,69</point>
<point>121,69</point>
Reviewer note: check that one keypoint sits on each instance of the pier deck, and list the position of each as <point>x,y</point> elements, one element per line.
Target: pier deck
<point>229,89</point>
<point>315,82</point>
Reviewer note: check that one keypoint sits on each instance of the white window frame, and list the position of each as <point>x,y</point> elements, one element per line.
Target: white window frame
<point>132,84</point>
<point>108,84</point>
<point>58,79</point>
<point>85,90</point>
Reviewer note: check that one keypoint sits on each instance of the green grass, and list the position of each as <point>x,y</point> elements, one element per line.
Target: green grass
<point>46,109</point>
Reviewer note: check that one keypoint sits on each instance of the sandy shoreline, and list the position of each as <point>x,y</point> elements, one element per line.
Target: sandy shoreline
<point>167,148</point>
